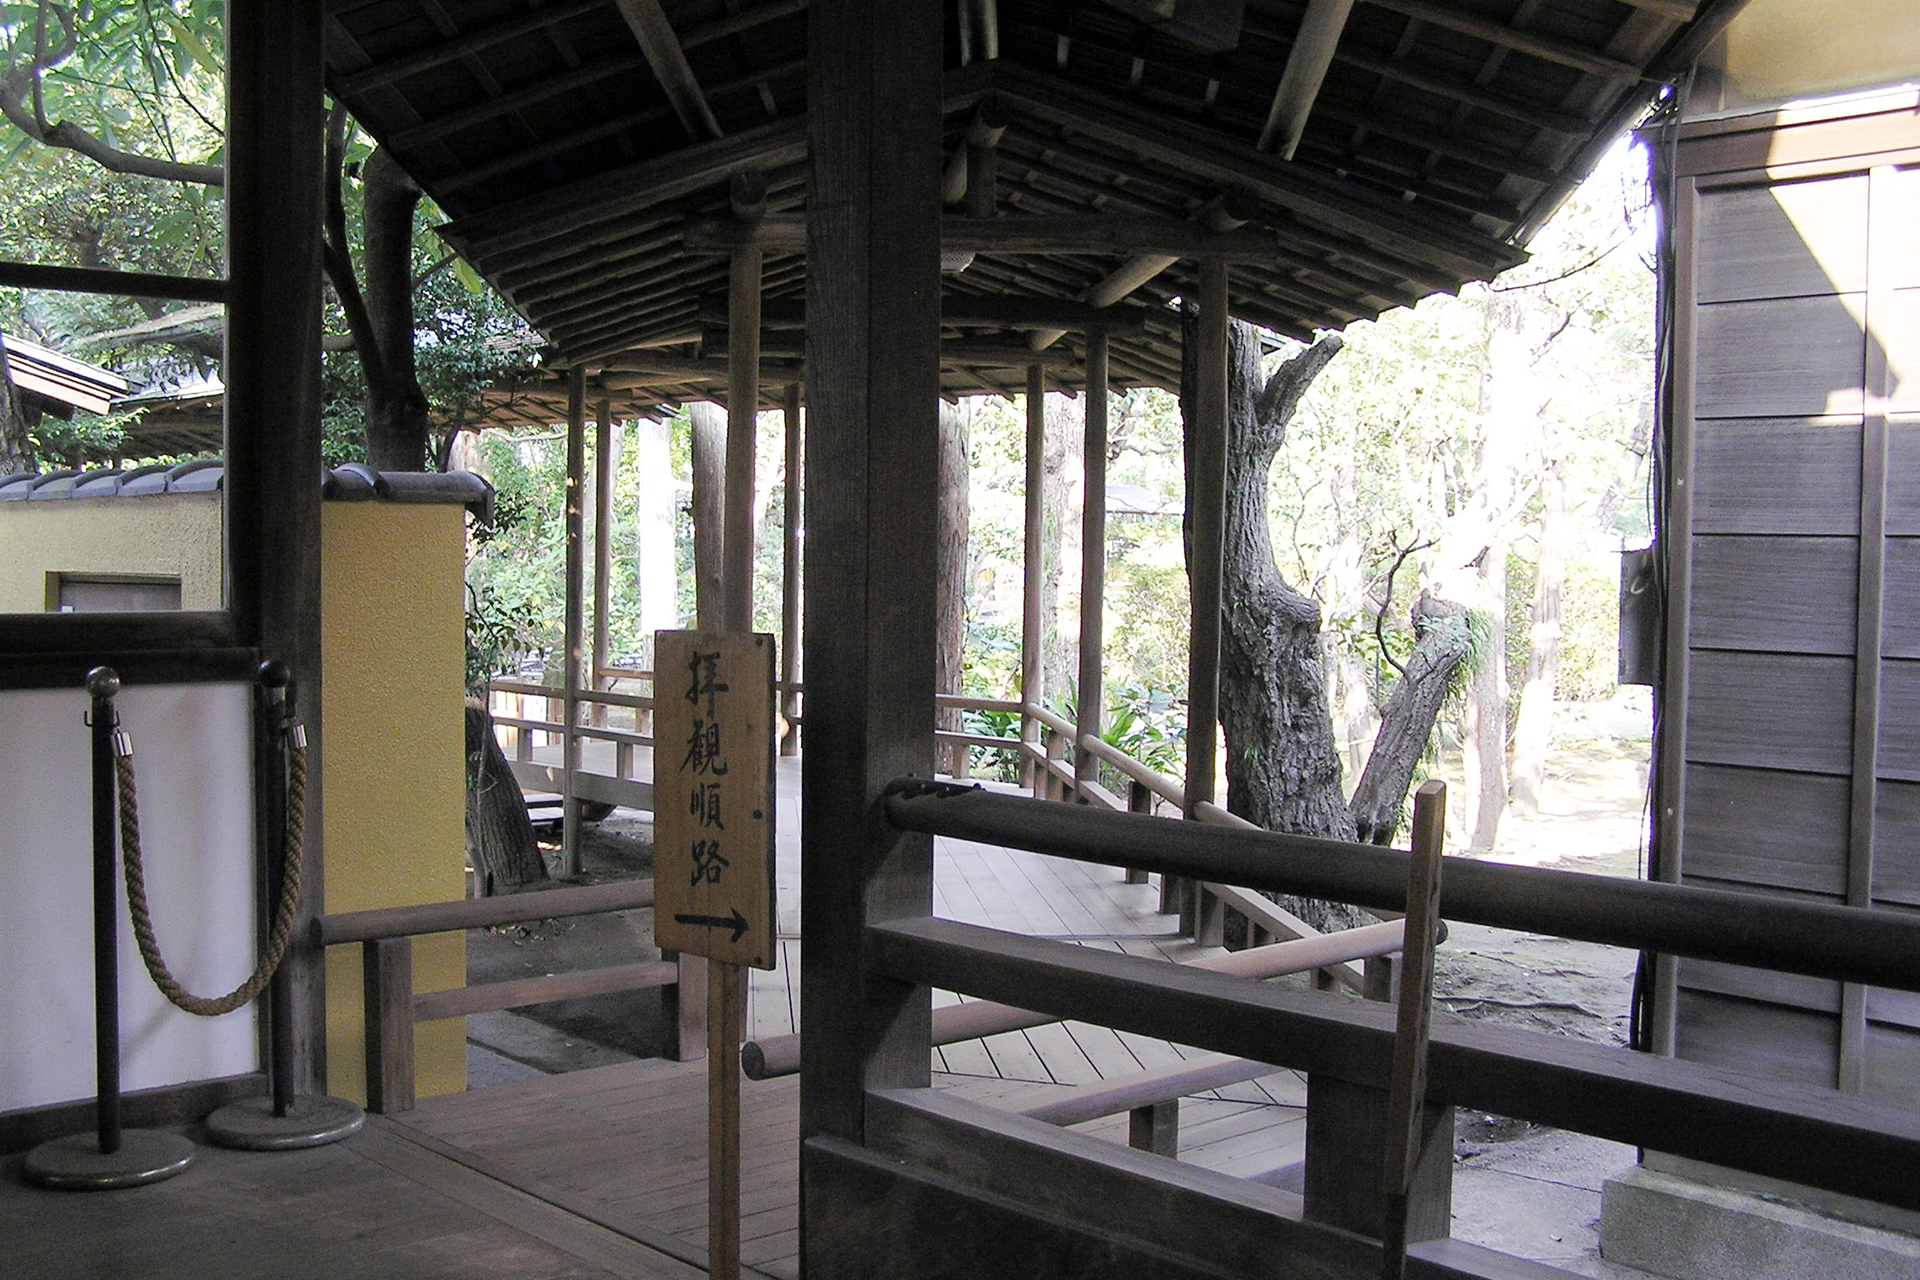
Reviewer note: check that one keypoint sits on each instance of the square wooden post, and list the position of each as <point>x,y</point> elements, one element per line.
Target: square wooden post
<point>873,315</point>
<point>276,126</point>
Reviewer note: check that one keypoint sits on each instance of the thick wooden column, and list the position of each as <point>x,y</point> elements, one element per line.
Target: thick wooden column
<point>1033,565</point>
<point>575,623</point>
<point>790,581</point>
<point>873,314</point>
<point>1206,505</point>
<point>1093,560</point>
<point>274,193</point>
<point>743,404</point>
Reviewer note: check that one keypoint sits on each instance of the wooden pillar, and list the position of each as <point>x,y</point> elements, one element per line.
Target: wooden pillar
<point>743,403</point>
<point>575,620</point>
<point>606,459</point>
<point>1206,501</point>
<point>1033,575</point>
<point>274,195</point>
<point>790,581</point>
<point>1093,560</point>
<point>873,318</point>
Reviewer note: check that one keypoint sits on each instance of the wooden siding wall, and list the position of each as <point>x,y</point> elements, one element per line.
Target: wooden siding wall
<point>1794,572</point>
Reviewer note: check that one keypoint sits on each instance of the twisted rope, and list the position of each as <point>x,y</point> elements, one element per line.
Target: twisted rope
<point>282,931</point>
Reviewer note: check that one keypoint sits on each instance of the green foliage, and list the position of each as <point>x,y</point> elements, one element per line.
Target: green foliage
<point>1148,723</point>
<point>499,637</point>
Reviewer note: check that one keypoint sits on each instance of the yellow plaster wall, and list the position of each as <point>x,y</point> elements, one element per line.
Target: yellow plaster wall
<point>392,634</point>
<point>175,535</point>
<point>1777,51</point>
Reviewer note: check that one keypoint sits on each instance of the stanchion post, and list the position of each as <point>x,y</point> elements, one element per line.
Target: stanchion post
<point>102,686</point>
<point>284,1120</point>
<point>275,722</point>
<point>114,1158</point>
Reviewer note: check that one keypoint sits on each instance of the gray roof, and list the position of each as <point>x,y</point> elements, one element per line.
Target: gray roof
<point>350,483</point>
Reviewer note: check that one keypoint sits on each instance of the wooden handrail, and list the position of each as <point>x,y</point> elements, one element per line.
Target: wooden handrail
<point>458,1002</point>
<point>1818,939</point>
<point>1152,779</point>
<point>988,741</point>
<point>1057,723</point>
<point>613,735</point>
<point>780,1055</point>
<point>966,702</point>
<point>479,913</point>
<point>1180,1079</point>
<point>1821,1137</point>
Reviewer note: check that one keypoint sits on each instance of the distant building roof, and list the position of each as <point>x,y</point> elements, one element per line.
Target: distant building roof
<point>350,483</point>
<point>57,384</point>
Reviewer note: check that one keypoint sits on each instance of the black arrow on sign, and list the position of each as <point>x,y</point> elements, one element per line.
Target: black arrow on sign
<point>737,923</point>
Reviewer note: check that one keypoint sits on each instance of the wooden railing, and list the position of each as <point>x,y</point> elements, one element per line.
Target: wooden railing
<point>391,1007</point>
<point>1204,907</point>
<point>1817,1137</point>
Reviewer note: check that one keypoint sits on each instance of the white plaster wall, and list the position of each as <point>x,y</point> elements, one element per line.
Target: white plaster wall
<point>193,767</point>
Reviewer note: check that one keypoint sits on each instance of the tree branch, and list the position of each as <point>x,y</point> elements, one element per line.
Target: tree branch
<point>1379,619</point>
<point>1442,640</point>
<point>339,259</point>
<point>23,82</point>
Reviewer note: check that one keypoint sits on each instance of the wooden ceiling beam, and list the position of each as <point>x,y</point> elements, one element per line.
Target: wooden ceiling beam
<point>1097,235</point>
<point>1307,63</point>
<point>549,16</point>
<point>1506,37</point>
<point>648,22</point>
<point>1465,91</point>
<point>1230,166</point>
<point>969,310</point>
<point>603,198</point>
<point>492,108</point>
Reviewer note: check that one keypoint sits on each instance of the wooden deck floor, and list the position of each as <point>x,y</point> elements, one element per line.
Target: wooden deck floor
<point>603,1172</point>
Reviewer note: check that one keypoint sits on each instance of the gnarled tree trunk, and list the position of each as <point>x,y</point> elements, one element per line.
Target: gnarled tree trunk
<point>16,448</point>
<point>1283,767</point>
<point>500,842</point>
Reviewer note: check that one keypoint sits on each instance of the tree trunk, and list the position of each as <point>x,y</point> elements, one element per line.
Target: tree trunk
<point>1059,649</point>
<point>397,420</point>
<point>1485,746</point>
<point>1283,771</point>
<point>709,425</point>
<point>1442,638</point>
<point>500,842</point>
<point>1283,767</point>
<point>1533,727</point>
<point>950,577</point>
<point>16,447</point>
<point>658,597</point>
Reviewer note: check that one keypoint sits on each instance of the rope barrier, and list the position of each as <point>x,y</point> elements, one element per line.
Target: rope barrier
<point>282,932</point>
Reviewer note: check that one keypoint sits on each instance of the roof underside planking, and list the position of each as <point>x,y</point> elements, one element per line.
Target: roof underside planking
<point>583,150</point>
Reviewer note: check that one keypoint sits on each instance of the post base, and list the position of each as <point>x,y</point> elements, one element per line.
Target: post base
<point>250,1125</point>
<point>76,1164</point>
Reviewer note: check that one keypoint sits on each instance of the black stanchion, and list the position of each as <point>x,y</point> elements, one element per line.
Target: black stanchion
<point>114,1157</point>
<point>282,1121</point>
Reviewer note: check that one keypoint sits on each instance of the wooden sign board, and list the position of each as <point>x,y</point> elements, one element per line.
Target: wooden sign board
<point>713,795</point>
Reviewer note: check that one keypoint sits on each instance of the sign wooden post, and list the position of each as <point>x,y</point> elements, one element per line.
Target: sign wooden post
<point>713,789</point>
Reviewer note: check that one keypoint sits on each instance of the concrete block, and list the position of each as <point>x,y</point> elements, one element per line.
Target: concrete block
<point>1691,1230</point>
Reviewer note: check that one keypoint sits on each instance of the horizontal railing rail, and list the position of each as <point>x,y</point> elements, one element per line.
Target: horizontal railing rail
<point>1817,1137</point>
<point>480,913</point>
<point>780,1055</point>
<point>1818,939</point>
<point>391,1006</point>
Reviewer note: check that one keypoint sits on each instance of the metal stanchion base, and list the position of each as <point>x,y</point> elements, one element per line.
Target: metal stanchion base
<point>250,1125</point>
<point>75,1163</point>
